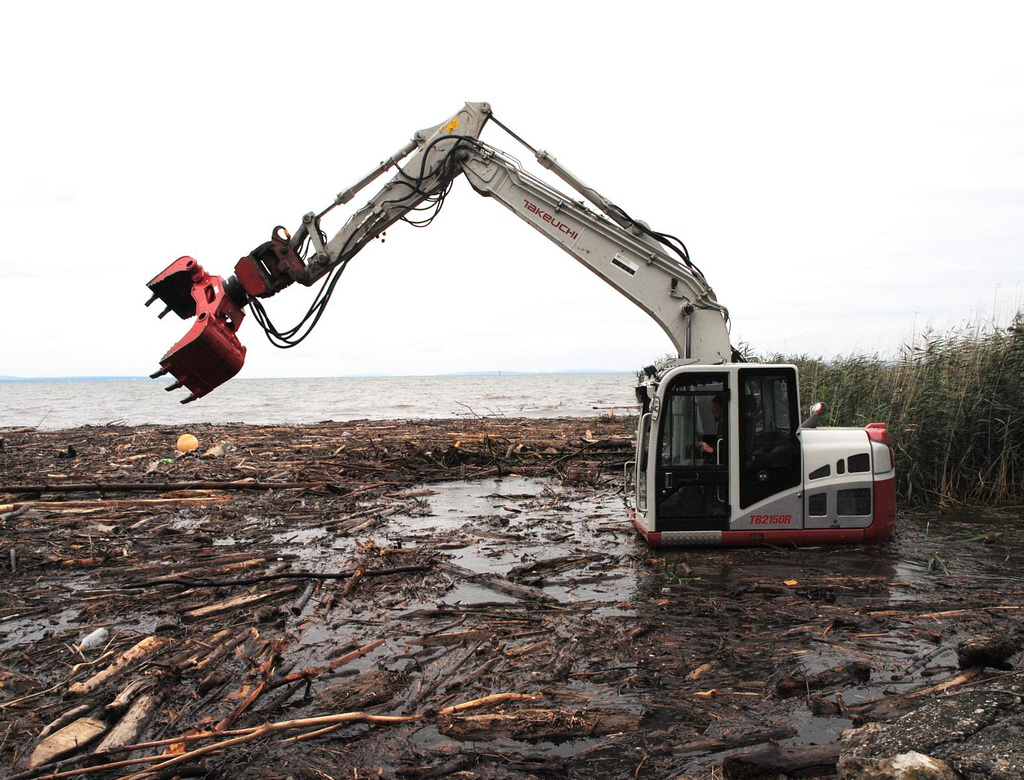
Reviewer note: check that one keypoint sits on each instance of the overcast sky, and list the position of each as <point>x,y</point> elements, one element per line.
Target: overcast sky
<point>844,175</point>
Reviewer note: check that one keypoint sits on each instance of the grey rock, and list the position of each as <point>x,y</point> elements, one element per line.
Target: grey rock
<point>976,733</point>
<point>905,766</point>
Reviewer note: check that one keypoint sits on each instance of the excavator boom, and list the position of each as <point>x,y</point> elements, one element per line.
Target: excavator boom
<point>651,269</point>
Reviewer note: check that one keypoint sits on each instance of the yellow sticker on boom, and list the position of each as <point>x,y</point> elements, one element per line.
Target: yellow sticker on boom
<point>452,124</point>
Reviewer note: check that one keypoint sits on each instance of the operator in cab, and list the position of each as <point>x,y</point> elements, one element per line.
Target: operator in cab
<point>714,451</point>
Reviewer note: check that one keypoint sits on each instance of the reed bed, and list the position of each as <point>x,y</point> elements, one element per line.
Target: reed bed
<point>954,403</point>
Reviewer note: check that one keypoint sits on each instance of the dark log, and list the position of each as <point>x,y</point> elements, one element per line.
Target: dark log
<point>315,671</point>
<point>131,725</point>
<point>773,761</point>
<point>358,693</point>
<point>127,695</point>
<point>729,742</point>
<point>237,602</point>
<point>154,487</point>
<point>537,724</point>
<point>987,650</point>
<point>830,678</point>
<point>455,638</point>
<point>300,603</point>
<point>145,649</point>
<point>62,720</point>
<point>498,583</point>
<point>188,582</point>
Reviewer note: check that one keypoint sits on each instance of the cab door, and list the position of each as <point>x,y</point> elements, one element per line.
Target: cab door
<point>769,456</point>
<point>692,474</point>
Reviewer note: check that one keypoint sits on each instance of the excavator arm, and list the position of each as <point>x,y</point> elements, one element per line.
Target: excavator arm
<point>651,269</point>
<point>628,256</point>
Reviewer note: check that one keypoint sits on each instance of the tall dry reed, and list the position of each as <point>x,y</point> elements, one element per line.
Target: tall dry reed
<point>954,403</point>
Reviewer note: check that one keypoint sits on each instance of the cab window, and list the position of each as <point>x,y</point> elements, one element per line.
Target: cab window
<point>689,420</point>
<point>769,449</point>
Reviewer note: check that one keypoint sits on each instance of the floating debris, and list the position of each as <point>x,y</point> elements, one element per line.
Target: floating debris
<point>446,597</point>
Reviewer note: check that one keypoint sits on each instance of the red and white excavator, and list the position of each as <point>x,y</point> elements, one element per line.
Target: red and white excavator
<point>721,455</point>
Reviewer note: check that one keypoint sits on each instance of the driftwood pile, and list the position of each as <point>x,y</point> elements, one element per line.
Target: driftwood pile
<point>445,599</point>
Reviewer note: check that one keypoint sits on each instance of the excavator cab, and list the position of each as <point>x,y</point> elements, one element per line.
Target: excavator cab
<point>723,459</point>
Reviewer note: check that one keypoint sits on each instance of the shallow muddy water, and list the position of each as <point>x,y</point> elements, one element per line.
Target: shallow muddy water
<point>497,525</point>
<point>691,607</point>
<point>531,587</point>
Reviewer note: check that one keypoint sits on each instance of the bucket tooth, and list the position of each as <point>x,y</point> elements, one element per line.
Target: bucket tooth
<point>158,373</point>
<point>175,386</point>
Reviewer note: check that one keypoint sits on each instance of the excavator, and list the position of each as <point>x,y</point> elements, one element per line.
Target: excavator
<point>722,457</point>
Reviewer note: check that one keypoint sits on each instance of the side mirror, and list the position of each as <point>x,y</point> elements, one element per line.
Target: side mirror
<point>812,419</point>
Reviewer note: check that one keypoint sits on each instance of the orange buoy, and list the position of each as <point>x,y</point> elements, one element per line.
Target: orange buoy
<point>187,442</point>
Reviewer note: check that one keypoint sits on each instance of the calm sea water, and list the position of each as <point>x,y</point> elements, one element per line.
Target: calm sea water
<point>53,404</point>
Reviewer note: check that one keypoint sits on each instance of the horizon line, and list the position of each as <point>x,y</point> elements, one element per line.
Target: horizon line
<point>143,378</point>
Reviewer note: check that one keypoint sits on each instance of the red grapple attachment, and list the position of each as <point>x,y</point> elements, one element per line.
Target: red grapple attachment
<point>210,354</point>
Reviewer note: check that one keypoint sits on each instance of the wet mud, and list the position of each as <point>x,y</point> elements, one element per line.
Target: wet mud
<point>458,598</point>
